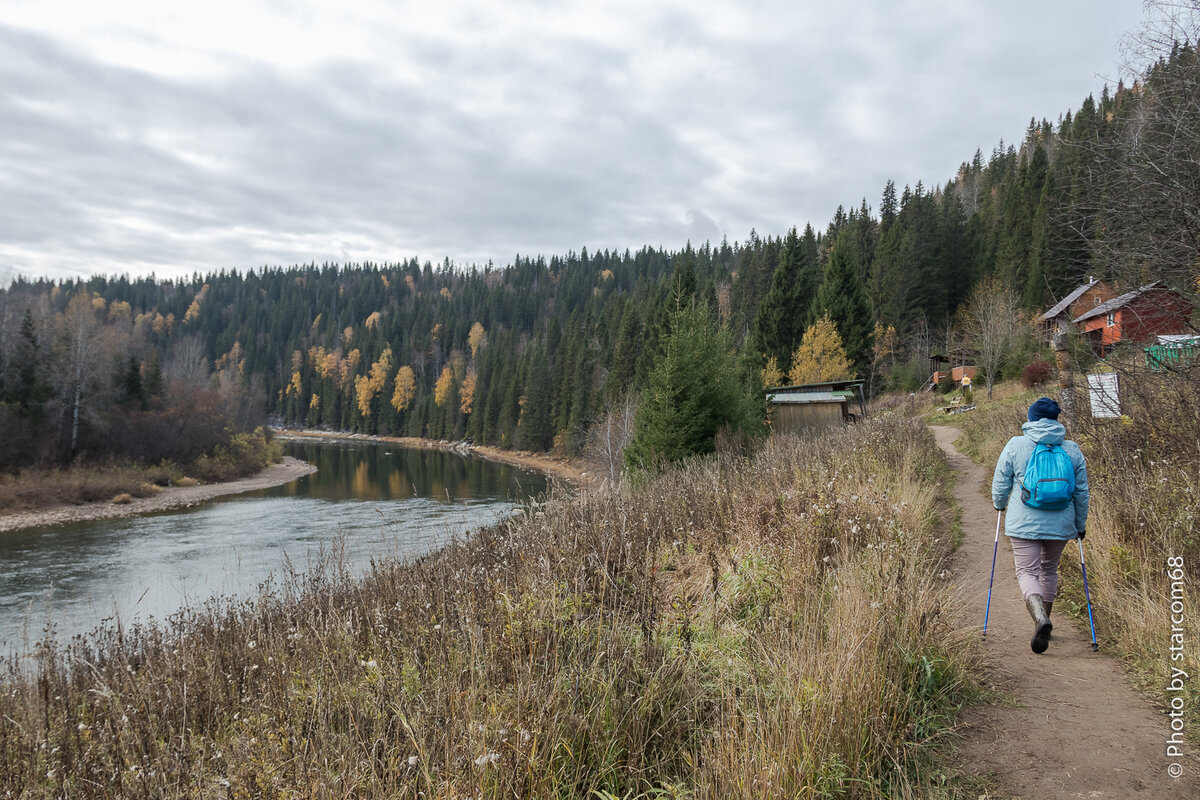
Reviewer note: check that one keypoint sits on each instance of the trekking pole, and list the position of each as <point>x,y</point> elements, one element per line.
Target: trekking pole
<point>995,548</point>
<point>1087,595</point>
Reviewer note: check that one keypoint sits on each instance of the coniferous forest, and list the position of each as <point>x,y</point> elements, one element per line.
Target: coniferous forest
<point>532,353</point>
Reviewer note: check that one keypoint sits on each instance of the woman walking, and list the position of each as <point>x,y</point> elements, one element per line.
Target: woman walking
<point>1049,476</point>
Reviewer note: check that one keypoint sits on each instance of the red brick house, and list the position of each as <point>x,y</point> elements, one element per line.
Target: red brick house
<point>1080,301</point>
<point>1137,316</point>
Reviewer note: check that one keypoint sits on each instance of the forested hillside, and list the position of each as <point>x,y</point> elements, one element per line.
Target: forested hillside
<point>530,354</point>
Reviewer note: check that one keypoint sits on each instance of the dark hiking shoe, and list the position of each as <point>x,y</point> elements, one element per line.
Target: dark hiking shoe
<point>1041,634</point>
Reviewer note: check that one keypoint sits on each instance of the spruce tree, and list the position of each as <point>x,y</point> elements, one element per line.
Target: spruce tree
<point>841,296</point>
<point>787,309</point>
<point>694,390</point>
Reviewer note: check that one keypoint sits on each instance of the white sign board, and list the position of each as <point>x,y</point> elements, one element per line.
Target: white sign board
<point>1102,390</point>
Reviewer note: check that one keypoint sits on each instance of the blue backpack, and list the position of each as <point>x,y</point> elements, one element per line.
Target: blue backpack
<point>1049,478</point>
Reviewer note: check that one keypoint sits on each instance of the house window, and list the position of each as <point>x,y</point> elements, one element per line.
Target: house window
<point>1112,318</point>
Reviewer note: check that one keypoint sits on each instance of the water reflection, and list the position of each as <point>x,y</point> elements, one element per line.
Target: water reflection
<point>369,500</point>
<point>385,472</point>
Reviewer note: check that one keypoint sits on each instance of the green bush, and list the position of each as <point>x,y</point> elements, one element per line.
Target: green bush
<point>244,454</point>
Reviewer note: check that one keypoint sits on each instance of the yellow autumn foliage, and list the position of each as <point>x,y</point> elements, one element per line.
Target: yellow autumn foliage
<point>476,339</point>
<point>466,392</point>
<point>821,356</point>
<point>371,384</point>
<point>348,366</point>
<point>406,388</point>
<point>772,375</point>
<point>441,389</point>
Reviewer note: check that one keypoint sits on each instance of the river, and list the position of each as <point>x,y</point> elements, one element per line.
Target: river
<point>370,501</point>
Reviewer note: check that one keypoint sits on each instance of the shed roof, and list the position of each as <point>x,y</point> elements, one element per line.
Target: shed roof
<point>790,398</point>
<point>1118,302</point>
<point>1065,303</point>
<point>828,386</point>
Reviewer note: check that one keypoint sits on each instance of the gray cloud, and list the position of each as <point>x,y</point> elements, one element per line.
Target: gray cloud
<point>693,126</point>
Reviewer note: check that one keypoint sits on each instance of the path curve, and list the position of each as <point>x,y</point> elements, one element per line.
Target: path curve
<point>1079,730</point>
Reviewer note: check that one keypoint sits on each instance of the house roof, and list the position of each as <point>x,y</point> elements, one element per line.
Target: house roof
<point>1118,302</point>
<point>1065,303</point>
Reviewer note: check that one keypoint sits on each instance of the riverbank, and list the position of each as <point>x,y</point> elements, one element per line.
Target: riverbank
<point>731,628</point>
<point>561,468</point>
<point>288,470</point>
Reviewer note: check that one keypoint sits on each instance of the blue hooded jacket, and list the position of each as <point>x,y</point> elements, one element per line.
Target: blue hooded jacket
<point>1024,522</point>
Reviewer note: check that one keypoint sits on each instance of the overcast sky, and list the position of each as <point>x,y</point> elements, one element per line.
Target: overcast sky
<point>175,136</point>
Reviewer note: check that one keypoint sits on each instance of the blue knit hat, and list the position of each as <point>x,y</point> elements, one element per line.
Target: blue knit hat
<point>1044,408</point>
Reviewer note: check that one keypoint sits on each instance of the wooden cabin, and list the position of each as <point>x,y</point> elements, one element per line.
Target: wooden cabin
<point>956,374</point>
<point>815,406</point>
<point>1079,302</point>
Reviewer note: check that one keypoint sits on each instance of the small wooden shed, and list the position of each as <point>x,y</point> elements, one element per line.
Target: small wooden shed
<point>815,406</point>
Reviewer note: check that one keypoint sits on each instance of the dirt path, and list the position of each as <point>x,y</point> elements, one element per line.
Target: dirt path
<point>285,471</point>
<point>1079,730</point>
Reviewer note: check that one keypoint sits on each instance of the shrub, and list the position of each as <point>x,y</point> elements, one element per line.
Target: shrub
<point>1037,373</point>
<point>244,454</point>
<point>123,499</point>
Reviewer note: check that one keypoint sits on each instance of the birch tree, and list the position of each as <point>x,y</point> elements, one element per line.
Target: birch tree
<point>81,357</point>
<point>992,323</point>
<point>608,437</point>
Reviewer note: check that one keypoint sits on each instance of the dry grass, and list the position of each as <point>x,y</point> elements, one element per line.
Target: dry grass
<point>42,488</point>
<point>738,628</point>
<point>1144,475</point>
<point>98,482</point>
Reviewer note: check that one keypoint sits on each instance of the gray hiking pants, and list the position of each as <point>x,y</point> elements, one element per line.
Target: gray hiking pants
<point>1037,565</point>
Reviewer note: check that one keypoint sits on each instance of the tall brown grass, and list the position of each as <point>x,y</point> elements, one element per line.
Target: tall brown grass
<point>766,626</point>
<point>1144,476</point>
<point>89,482</point>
